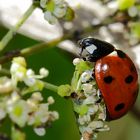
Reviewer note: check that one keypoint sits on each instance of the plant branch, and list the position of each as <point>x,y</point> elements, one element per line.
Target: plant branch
<point>28,51</point>
<point>13,30</point>
<point>51,87</point>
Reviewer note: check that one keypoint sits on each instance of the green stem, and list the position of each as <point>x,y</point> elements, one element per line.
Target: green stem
<point>13,30</point>
<point>39,47</point>
<point>29,50</point>
<point>47,85</point>
<point>17,134</point>
<point>51,87</point>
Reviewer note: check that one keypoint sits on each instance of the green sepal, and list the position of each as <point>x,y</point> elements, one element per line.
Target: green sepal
<point>69,16</point>
<point>79,69</point>
<point>64,90</point>
<point>81,109</point>
<point>17,134</point>
<point>50,6</point>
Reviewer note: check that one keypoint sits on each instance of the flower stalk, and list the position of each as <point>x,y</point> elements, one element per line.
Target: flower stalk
<point>5,40</point>
<point>51,87</point>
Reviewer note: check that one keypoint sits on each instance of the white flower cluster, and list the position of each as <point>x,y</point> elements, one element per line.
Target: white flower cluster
<point>54,9</point>
<point>89,105</point>
<point>23,111</point>
<point>20,73</point>
<point>28,112</point>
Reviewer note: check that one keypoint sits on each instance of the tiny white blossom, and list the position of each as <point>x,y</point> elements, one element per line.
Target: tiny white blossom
<point>13,98</point>
<point>37,96</point>
<point>30,73</point>
<point>88,88</point>
<point>19,60</point>
<point>59,2</point>
<point>96,124</point>
<point>14,67</point>
<point>77,61</point>
<point>50,18</point>
<point>6,85</point>
<point>30,81</point>
<point>40,131</point>
<point>18,112</point>
<point>86,76</point>
<point>51,100</point>
<point>41,115</point>
<point>20,74</point>
<point>32,105</point>
<point>18,70</point>
<point>84,119</point>
<point>102,116</point>
<point>90,100</point>
<point>43,3</point>
<point>44,72</point>
<point>54,115</point>
<point>60,11</point>
<point>93,109</point>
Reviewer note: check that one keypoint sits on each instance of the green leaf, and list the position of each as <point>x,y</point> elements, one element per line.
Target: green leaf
<point>125,4</point>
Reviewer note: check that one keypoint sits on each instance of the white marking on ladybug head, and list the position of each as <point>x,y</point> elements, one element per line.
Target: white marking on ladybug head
<point>104,67</point>
<point>91,48</point>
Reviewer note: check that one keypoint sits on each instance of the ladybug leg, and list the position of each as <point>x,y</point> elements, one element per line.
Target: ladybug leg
<point>93,74</point>
<point>108,118</point>
<point>90,58</point>
<point>99,96</point>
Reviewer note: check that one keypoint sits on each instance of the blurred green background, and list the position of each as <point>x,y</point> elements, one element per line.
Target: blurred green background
<point>61,70</point>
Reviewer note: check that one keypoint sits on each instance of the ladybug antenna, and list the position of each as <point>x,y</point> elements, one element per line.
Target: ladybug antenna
<point>81,46</point>
<point>80,54</point>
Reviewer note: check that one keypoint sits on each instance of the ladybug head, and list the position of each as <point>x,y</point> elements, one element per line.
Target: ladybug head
<point>95,48</point>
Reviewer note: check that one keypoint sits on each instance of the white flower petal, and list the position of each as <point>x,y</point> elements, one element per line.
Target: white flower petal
<point>40,131</point>
<point>43,3</point>
<point>60,12</point>
<point>51,100</point>
<point>44,72</point>
<point>49,17</point>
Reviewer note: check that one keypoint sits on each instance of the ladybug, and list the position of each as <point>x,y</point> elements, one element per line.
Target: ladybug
<point>115,74</point>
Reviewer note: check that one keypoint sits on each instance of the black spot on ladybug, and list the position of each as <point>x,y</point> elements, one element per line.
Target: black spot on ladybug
<point>108,79</point>
<point>129,79</point>
<point>121,54</point>
<point>119,107</point>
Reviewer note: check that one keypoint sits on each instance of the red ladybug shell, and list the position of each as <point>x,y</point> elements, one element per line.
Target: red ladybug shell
<point>117,80</point>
